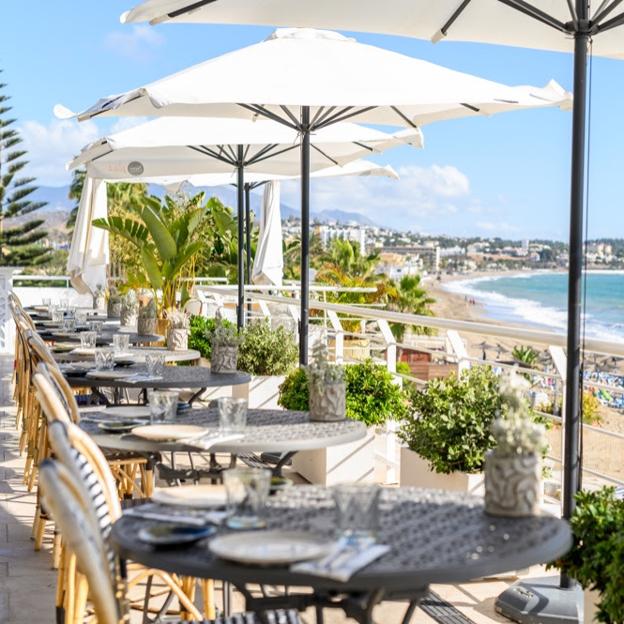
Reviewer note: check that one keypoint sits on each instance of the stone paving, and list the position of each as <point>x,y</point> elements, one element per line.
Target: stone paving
<point>27,581</point>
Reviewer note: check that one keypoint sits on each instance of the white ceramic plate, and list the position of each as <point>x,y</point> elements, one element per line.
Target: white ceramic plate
<point>110,374</point>
<point>129,411</point>
<point>164,433</point>
<point>199,496</point>
<point>270,547</point>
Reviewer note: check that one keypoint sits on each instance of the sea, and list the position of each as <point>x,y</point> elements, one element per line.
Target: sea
<point>539,299</point>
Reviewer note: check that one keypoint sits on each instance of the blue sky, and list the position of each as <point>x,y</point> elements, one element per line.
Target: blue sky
<point>507,175</point>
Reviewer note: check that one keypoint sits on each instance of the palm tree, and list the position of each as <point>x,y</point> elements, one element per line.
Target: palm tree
<point>409,296</point>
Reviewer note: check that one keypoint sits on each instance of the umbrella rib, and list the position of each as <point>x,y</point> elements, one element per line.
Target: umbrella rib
<point>451,20</point>
<point>363,146</point>
<point>470,107</point>
<point>260,153</point>
<point>290,115</point>
<point>206,151</point>
<point>612,23</point>
<point>603,10</point>
<point>189,8</point>
<point>322,153</point>
<point>404,117</point>
<point>263,112</point>
<point>274,154</point>
<point>343,115</point>
<point>318,119</point>
<point>535,13</point>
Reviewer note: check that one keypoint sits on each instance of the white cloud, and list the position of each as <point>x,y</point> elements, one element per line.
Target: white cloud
<point>499,227</point>
<point>53,145</point>
<point>136,43</point>
<point>421,193</point>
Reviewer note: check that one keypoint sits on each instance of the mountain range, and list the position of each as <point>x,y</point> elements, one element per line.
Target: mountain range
<point>58,204</point>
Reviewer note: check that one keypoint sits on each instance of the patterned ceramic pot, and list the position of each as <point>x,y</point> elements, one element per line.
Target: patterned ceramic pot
<point>146,326</point>
<point>513,485</point>
<point>99,302</point>
<point>327,402</point>
<point>129,318</point>
<point>224,358</point>
<point>177,339</point>
<point>113,309</point>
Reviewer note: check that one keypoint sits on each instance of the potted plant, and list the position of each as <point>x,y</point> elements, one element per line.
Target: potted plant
<point>267,354</point>
<point>147,319</point>
<point>113,309</point>
<point>372,397</point>
<point>448,431</point>
<point>225,341</point>
<point>513,468</point>
<point>327,387</point>
<point>596,559</point>
<point>99,298</point>
<point>129,309</point>
<point>178,333</point>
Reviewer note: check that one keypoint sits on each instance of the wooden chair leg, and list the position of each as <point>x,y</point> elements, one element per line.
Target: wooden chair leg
<point>208,602</point>
<point>70,586</point>
<point>80,603</point>
<point>39,534</point>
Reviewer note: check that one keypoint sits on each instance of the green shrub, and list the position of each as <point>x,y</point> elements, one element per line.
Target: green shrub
<point>596,559</point>
<point>200,334</point>
<point>294,393</point>
<point>591,408</point>
<point>372,396</point>
<point>451,419</point>
<point>267,351</point>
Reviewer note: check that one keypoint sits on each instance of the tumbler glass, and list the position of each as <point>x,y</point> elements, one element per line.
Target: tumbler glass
<point>247,491</point>
<point>57,315</point>
<point>104,359</point>
<point>163,406</point>
<point>155,363</point>
<point>95,326</point>
<point>88,339</point>
<point>232,414</point>
<point>357,510</point>
<point>121,343</point>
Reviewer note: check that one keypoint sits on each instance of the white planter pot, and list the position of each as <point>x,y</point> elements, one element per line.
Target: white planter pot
<point>346,463</point>
<point>590,606</point>
<point>177,339</point>
<point>261,392</point>
<point>415,471</point>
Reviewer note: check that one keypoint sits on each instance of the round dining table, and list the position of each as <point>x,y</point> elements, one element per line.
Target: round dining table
<point>134,353</point>
<point>433,537</point>
<point>283,432</point>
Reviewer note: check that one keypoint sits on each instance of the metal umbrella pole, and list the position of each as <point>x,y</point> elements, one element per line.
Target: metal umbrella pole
<point>240,192</point>
<point>305,235</point>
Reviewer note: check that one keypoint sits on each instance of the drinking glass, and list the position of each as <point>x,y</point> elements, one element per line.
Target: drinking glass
<point>69,324</point>
<point>232,414</point>
<point>121,343</point>
<point>64,303</point>
<point>155,363</point>
<point>357,510</point>
<point>247,490</point>
<point>57,315</point>
<point>95,326</point>
<point>104,359</point>
<point>163,405</point>
<point>81,317</point>
<point>88,339</point>
<point>46,302</point>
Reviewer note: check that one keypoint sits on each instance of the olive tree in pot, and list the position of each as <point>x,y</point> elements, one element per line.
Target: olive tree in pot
<point>129,309</point>
<point>596,559</point>
<point>268,354</point>
<point>448,431</point>
<point>147,320</point>
<point>372,397</point>
<point>113,305</point>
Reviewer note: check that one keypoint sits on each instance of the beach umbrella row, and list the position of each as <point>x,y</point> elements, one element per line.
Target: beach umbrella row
<point>190,146</point>
<point>308,80</point>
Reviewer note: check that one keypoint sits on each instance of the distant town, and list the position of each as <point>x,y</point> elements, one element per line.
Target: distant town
<point>409,253</point>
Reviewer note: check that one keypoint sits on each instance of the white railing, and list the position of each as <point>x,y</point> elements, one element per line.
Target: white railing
<point>449,348</point>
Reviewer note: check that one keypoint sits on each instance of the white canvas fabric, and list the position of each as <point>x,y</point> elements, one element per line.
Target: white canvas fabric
<point>89,250</point>
<point>182,146</point>
<point>484,21</point>
<point>268,264</point>
<point>297,67</point>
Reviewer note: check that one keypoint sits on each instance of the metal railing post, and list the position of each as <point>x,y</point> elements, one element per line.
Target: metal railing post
<point>336,325</point>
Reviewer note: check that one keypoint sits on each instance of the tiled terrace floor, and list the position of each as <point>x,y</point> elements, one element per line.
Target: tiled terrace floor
<point>27,581</point>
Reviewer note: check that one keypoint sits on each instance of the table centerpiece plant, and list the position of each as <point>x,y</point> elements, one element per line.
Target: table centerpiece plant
<point>113,305</point>
<point>147,318</point>
<point>225,341</point>
<point>178,331</point>
<point>327,388</point>
<point>99,298</point>
<point>513,468</point>
<point>129,309</point>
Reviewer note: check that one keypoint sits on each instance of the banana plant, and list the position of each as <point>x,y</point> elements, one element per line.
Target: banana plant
<point>165,234</point>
